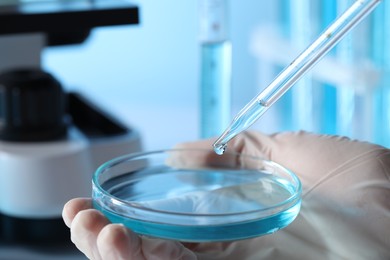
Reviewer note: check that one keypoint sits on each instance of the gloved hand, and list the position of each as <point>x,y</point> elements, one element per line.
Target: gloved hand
<point>345,210</point>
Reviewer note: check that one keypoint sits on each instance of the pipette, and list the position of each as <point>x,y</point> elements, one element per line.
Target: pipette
<point>293,72</point>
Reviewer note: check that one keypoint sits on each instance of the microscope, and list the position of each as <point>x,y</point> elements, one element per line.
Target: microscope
<point>51,141</point>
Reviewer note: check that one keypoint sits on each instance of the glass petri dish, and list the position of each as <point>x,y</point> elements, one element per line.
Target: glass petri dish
<point>197,196</point>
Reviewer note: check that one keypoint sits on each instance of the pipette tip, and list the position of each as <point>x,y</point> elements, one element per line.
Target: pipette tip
<point>219,148</point>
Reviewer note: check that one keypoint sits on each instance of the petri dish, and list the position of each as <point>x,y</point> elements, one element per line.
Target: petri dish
<point>194,195</point>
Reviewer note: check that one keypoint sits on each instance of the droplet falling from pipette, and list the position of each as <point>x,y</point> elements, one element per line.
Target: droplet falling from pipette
<point>219,148</point>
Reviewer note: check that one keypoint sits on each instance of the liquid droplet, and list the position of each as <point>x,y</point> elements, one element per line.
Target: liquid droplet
<point>219,148</point>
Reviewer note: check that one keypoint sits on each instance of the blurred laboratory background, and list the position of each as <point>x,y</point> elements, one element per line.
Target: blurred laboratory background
<point>150,74</point>
<point>156,75</point>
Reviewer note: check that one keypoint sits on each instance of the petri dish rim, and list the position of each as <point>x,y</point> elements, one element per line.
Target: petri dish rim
<point>124,203</point>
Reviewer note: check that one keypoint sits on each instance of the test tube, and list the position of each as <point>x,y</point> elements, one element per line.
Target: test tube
<point>327,100</point>
<point>380,54</point>
<point>302,96</point>
<point>216,63</point>
<point>292,73</point>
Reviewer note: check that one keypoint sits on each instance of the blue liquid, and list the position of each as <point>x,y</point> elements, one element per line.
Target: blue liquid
<point>215,88</point>
<point>207,233</point>
<point>214,224</point>
<point>380,54</point>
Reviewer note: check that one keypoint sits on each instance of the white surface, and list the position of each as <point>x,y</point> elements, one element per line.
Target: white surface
<point>37,179</point>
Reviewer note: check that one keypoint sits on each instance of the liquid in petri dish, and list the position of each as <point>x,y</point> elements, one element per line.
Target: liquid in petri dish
<point>201,193</point>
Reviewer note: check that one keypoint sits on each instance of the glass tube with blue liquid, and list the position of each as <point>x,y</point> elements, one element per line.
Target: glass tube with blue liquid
<point>216,63</point>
